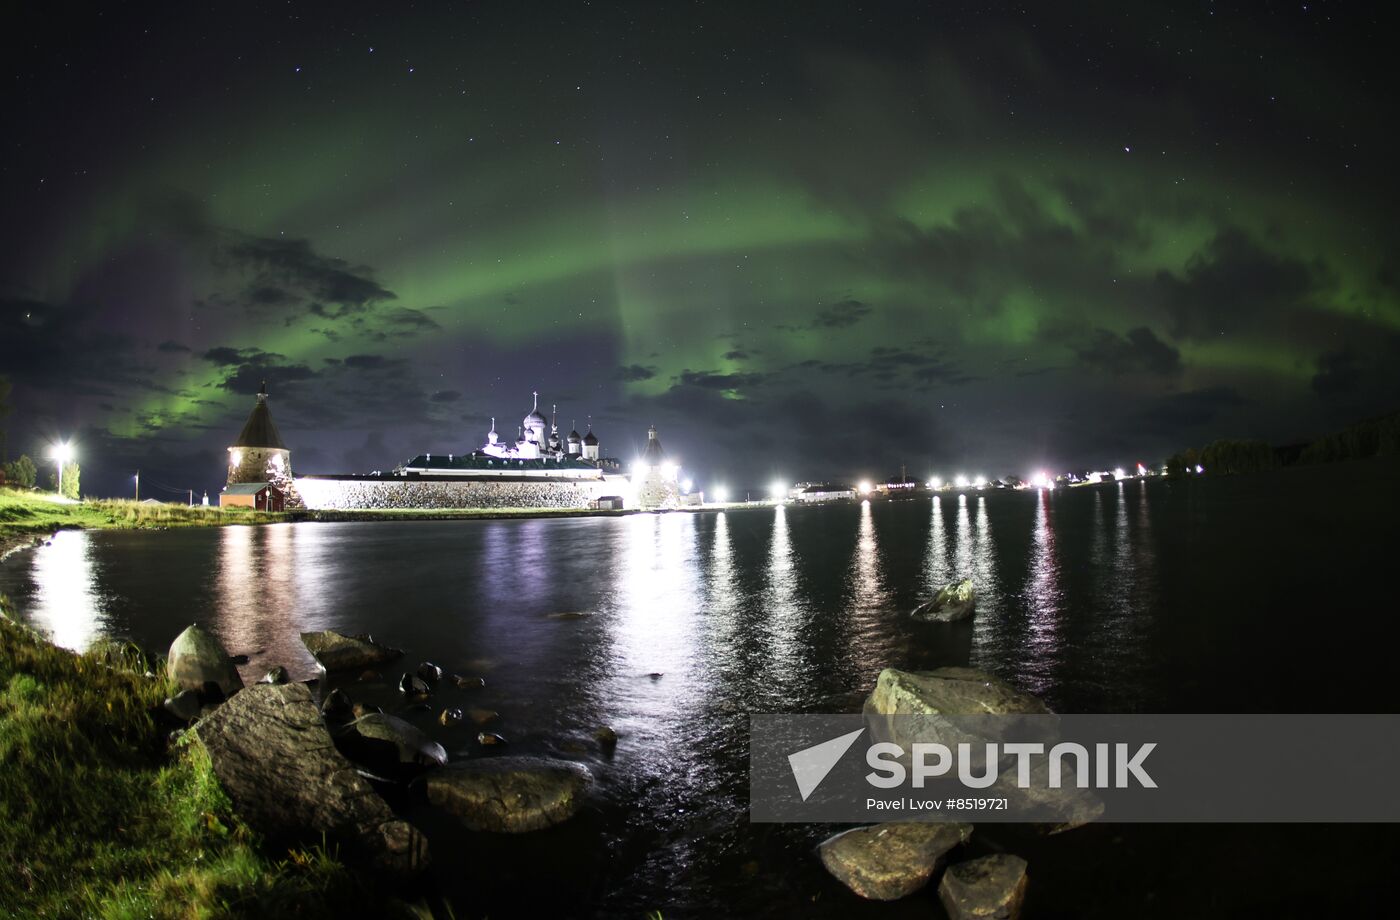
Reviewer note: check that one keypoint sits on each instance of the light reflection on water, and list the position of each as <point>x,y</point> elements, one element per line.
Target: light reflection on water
<point>66,602</point>
<point>1043,599</point>
<point>1107,598</point>
<point>674,595</point>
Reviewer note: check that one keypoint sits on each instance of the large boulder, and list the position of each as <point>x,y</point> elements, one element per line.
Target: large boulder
<point>389,746</point>
<point>951,706</point>
<point>512,794</point>
<point>274,757</point>
<point>953,602</point>
<point>196,661</point>
<point>888,861</point>
<point>336,652</point>
<point>989,888</point>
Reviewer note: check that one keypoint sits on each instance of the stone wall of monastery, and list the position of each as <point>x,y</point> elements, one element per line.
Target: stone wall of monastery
<point>404,494</point>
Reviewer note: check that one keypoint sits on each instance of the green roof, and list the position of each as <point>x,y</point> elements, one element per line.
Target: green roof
<point>247,488</point>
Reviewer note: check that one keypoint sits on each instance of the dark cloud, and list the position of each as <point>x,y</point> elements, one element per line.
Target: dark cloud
<point>837,316</point>
<point>1234,283</point>
<point>1188,411</point>
<point>400,322</point>
<point>736,355</point>
<point>247,379</point>
<point>172,347</point>
<point>1137,351</point>
<point>446,396</point>
<point>632,373</point>
<point>711,380</point>
<point>894,367</point>
<point>290,271</point>
<point>840,315</point>
<point>223,355</point>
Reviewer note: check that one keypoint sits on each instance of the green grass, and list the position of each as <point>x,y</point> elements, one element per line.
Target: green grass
<point>100,817</point>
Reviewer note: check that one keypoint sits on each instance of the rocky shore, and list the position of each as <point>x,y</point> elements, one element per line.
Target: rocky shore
<point>297,767</point>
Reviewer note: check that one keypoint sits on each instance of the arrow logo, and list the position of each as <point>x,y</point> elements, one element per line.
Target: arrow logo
<point>811,765</point>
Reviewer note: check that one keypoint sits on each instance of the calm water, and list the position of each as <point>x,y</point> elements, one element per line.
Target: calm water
<point>1266,593</point>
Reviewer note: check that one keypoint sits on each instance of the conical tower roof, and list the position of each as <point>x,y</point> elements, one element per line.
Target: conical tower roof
<point>259,431</point>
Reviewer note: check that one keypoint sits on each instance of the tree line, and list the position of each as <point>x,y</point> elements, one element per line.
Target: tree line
<point>1376,437</point>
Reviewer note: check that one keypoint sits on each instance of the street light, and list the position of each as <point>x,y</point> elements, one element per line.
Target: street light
<point>61,453</point>
<point>778,490</point>
<point>865,487</point>
<point>721,494</point>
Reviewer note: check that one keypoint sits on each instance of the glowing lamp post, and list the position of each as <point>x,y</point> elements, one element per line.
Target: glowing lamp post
<point>61,453</point>
<point>778,490</point>
<point>865,487</point>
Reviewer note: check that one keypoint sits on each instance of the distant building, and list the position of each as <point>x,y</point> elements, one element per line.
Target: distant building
<point>898,485</point>
<point>258,460</point>
<point>656,477</point>
<point>258,455</point>
<point>533,454</point>
<point>824,492</point>
<point>539,468</point>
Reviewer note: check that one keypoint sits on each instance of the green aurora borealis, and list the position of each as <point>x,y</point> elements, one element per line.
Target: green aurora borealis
<point>811,247</point>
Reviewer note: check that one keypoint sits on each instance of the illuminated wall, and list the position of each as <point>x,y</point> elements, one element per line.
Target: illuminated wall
<point>405,494</point>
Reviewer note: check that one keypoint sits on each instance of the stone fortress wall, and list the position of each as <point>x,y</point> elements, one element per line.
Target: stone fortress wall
<point>403,494</point>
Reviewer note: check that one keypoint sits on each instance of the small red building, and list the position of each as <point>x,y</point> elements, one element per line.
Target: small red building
<point>260,496</point>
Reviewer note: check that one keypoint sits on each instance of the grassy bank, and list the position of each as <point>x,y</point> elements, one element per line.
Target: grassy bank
<point>25,515</point>
<point>100,817</point>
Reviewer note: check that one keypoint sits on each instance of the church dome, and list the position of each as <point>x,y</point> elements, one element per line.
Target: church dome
<point>574,436</point>
<point>590,439</point>
<point>534,420</point>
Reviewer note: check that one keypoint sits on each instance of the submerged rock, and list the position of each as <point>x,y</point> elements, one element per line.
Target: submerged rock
<point>606,738</point>
<point>390,746</point>
<point>483,716</point>
<point>274,758</point>
<point>429,673</point>
<point>949,691</point>
<point>414,685</point>
<point>198,662</point>
<point>511,794</point>
<point>336,652</point>
<point>276,675</point>
<point>953,602</point>
<point>489,738</point>
<point>468,683</point>
<point>336,708</point>
<point>184,705</point>
<point>450,717</point>
<point>888,861</point>
<point>989,888</point>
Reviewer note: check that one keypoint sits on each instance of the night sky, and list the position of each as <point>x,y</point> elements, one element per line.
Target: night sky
<point>803,241</point>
